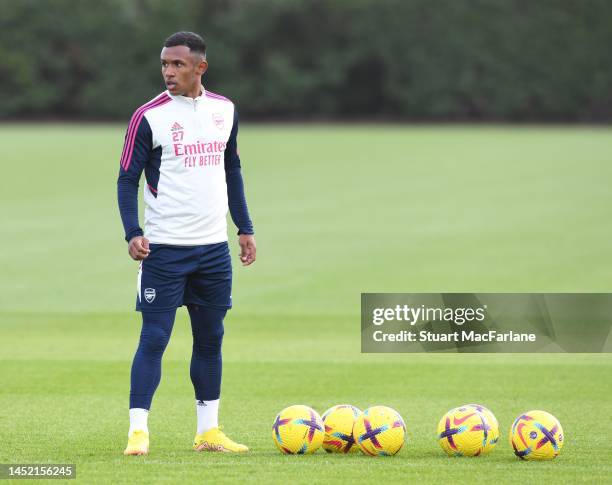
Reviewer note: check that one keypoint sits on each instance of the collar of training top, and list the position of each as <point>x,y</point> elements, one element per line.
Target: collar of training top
<point>187,99</point>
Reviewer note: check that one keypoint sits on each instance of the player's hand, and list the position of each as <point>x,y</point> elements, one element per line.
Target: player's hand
<point>139,248</point>
<point>248,249</point>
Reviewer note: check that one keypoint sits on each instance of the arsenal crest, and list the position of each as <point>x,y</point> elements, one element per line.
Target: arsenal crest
<point>149,294</point>
<point>218,120</point>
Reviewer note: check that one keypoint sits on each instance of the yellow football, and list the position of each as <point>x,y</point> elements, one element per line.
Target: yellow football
<point>536,435</point>
<point>493,434</point>
<point>463,431</point>
<point>380,431</point>
<point>298,430</point>
<point>339,422</point>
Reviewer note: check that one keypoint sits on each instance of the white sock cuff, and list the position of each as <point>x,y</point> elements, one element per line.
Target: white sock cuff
<point>138,420</point>
<point>208,415</point>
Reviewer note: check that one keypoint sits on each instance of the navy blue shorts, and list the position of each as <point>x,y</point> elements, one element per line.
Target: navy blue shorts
<point>172,276</point>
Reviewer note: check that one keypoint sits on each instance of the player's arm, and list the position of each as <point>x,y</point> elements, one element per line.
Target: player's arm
<point>236,198</point>
<point>136,152</point>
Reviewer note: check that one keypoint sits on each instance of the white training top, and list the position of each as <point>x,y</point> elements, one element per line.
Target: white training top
<point>180,143</point>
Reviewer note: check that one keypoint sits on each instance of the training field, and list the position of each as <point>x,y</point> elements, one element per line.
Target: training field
<point>338,210</point>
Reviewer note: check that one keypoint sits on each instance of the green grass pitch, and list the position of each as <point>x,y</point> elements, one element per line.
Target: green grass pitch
<point>338,210</point>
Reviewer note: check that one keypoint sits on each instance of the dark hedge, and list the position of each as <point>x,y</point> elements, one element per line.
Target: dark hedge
<point>429,60</point>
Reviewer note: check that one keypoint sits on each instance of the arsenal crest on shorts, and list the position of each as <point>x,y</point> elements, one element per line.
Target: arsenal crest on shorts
<point>219,120</point>
<point>149,294</point>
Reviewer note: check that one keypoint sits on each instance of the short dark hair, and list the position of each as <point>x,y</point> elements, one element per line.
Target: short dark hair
<point>188,39</point>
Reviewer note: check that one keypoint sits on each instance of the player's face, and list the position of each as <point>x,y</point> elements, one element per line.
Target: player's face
<point>182,69</point>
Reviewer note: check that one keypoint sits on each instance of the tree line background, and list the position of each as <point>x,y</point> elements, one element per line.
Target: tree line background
<point>417,60</point>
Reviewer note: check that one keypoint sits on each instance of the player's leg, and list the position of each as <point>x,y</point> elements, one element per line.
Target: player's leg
<point>146,375</point>
<point>161,286</point>
<point>208,297</point>
<point>206,363</point>
<point>146,367</point>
